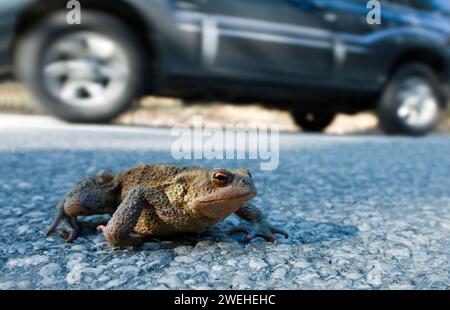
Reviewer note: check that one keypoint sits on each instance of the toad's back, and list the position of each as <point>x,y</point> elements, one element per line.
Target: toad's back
<point>155,176</point>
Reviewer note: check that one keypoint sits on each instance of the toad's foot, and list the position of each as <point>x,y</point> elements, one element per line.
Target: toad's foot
<point>130,239</point>
<point>70,224</point>
<point>253,230</point>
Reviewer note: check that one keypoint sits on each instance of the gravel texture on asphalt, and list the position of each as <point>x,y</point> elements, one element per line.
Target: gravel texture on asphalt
<point>363,212</point>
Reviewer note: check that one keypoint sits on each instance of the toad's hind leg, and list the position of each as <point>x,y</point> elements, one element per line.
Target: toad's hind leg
<point>119,230</point>
<point>93,195</point>
<point>69,209</point>
<point>70,223</point>
<point>67,212</point>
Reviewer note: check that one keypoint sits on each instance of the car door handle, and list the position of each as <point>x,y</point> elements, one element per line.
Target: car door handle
<point>330,17</point>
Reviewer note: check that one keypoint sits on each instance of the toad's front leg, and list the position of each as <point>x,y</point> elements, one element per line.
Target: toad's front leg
<point>257,226</point>
<point>119,230</point>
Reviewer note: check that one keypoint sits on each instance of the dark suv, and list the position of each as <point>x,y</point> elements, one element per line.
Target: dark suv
<point>313,57</point>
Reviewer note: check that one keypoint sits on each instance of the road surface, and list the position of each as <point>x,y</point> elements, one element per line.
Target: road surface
<point>363,212</point>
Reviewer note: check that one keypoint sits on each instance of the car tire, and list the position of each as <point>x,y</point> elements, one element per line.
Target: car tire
<point>412,102</point>
<point>98,79</point>
<point>313,122</point>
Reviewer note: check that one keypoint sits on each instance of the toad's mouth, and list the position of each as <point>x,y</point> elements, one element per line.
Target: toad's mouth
<point>212,201</point>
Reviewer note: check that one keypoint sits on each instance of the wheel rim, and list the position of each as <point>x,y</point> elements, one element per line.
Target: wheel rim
<point>419,106</point>
<point>86,69</point>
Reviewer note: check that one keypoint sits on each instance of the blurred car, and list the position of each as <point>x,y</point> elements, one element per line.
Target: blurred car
<point>313,57</point>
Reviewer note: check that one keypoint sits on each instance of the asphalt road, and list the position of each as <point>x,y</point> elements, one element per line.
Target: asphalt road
<point>363,212</point>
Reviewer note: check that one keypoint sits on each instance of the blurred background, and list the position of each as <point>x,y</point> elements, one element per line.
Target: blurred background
<point>166,112</point>
<point>331,59</point>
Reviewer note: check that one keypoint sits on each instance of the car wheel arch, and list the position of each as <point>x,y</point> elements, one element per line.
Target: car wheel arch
<point>427,56</point>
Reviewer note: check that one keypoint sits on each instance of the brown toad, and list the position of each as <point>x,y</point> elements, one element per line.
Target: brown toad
<point>160,200</point>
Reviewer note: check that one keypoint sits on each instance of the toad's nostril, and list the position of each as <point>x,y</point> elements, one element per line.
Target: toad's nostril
<point>245,182</point>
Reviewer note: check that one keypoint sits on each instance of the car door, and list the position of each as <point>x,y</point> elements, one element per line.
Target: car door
<point>362,48</point>
<point>354,56</point>
<point>263,37</point>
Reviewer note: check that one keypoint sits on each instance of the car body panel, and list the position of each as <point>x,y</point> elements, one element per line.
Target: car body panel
<point>338,53</point>
<point>10,11</point>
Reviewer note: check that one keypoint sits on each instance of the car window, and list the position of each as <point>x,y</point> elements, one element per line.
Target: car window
<point>400,2</point>
<point>357,1</point>
<point>442,6</point>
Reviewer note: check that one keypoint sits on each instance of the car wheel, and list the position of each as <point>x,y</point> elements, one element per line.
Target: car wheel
<point>81,73</point>
<point>313,122</point>
<point>412,102</point>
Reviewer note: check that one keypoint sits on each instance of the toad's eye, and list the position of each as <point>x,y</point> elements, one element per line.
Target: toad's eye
<point>221,178</point>
<point>249,174</point>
